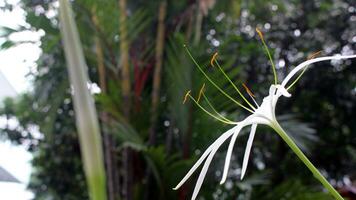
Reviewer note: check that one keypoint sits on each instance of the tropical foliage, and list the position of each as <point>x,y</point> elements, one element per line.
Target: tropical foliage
<point>135,55</point>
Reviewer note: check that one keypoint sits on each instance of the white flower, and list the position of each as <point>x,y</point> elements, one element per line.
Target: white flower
<point>263,114</point>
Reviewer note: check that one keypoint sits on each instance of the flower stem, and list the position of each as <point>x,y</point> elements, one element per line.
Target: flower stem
<point>306,161</point>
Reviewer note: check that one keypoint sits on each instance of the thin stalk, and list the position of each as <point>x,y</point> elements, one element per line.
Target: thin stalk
<point>215,111</point>
<point>85,113</point>
<point>209,113</point>
<point>271,60</point>
<point>233,85</point>
<point>269,55</point>
<point>297,79</point>
<point>301,74</point>
<point>306,161</point>
<point>214,84</point>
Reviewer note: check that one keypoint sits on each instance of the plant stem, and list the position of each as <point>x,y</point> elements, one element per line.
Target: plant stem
<point>306,161</point>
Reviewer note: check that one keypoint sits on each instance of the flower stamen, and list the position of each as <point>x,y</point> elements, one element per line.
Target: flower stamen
<point>230,81</point>
<point>312,56</point>
<point>215,111</point>
<point>223,120</point>
<point>186,96</point>
<point>252,96</point>
<point>248,90</point>
<point>201,92</point>
<point>268,54</point>
<point>213,59</point>
<point>213,83</point>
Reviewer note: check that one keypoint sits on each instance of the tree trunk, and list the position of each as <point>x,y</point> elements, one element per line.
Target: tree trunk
<point>109,144</point>
<point>156,88</point>
<point>126,106</point>
<point>198,25</point>
<point>157,70</point>
<point>124,58</point>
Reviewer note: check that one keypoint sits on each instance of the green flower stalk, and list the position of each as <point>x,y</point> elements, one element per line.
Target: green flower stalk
<point>85,113</point>
<point>263,114</point>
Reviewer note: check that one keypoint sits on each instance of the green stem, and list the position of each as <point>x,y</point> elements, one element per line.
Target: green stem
<point>271,60</point>
<point>306,161</point>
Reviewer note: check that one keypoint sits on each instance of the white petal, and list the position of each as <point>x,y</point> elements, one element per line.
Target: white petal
<point>272,90</point>
<point>270,98</point>
<point>221,139</point>
<point>283,91</point>
<point>231,146</point>
<point>195,166</point>
<point>311,61</point>
<point>248,150</point>
<point>204,170</point>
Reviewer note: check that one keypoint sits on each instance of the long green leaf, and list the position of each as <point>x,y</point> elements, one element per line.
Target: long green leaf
<point>86,117</point>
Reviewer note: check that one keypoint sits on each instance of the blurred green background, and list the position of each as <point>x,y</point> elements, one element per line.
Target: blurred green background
<point>150,138</point>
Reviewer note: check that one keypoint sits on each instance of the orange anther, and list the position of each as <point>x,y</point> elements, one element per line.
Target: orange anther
<point>186,96</point>
<point>248,90</point>
<point>314,55</point>
<point>213,58</point>
<point>259,33</point>
<point>201,92</point>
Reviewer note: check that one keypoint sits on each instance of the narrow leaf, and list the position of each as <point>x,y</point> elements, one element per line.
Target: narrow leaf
<point>86,117</point>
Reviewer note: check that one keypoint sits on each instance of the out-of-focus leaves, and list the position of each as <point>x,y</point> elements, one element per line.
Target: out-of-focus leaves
<point>41,22</point>
<point>167,169</point>
<point>293,189</point>
<point>128,137</point>
<point>319,116</point>
<point>178,80</point>
<point>302,134</point>
<point>257,179</point>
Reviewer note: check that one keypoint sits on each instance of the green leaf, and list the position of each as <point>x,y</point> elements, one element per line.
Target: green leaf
<point>86,117</point>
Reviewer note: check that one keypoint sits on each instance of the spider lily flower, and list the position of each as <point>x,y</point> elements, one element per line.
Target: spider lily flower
<point>263,114</point>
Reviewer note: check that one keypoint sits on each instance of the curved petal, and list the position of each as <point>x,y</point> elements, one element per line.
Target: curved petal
<point>244,123</point>
<point>205,170</point>
<point>218,142</point>
<point>248,150</point>
<point>311,61</point>
<point>195,166</point>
